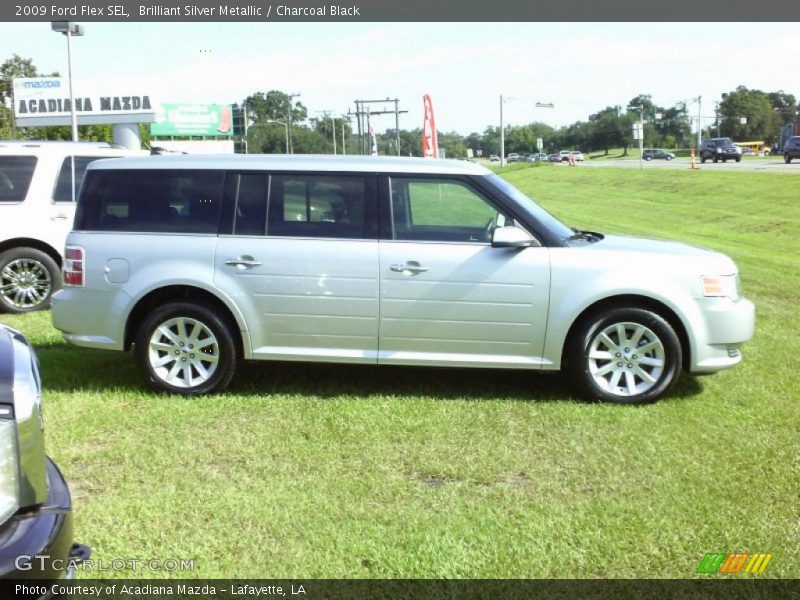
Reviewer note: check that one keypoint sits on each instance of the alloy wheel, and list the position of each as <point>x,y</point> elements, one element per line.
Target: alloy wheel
<point>183,352</point>
<point>626,359</point>
<point>25,283</point>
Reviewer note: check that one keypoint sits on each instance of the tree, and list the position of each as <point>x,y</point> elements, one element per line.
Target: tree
<point>754,107</point>
<point>275,105</point>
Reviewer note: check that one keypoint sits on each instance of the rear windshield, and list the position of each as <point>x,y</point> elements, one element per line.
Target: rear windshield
<point>150,201</point>
<point>16,173</point>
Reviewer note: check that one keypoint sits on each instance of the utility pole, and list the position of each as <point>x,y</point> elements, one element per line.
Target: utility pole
<point>699,122</point>
<point>716,115</point>
<point>502,136</point>
<point>363,111</point>
<point>289,122</point>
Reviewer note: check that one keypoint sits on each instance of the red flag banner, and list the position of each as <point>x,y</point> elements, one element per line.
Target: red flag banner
<point>430,143</point>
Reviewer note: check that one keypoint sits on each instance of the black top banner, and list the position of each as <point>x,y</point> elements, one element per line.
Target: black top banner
<point>403,10</point>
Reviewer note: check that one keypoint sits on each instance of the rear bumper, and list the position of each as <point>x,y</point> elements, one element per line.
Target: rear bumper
<point>39,544</point>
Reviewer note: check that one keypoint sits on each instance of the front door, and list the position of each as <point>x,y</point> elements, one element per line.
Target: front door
<point>447,296</point>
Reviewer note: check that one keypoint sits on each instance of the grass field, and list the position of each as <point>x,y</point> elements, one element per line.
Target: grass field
<point>323,471</point>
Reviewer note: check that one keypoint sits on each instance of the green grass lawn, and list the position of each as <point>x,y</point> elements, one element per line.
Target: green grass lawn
<point>345,471</point>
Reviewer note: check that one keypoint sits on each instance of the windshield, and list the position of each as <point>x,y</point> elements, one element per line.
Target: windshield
<point>556,227</point>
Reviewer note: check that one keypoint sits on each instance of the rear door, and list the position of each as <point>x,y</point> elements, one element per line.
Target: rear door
<point>299,255</point>
<point>447,296</point>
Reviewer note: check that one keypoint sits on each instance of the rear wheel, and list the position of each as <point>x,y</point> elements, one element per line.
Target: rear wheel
<point>28,278</point>
<point>186,348</point>
<point>624,355</point>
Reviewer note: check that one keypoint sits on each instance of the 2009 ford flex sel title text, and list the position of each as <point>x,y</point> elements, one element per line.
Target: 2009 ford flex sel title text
<point>199,262</point>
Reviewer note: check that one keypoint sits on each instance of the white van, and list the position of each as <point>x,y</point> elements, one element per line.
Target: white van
<point>37,207</point>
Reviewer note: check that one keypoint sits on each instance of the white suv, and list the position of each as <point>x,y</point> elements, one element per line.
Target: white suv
<point>200,262</point>
<point>36,212</point>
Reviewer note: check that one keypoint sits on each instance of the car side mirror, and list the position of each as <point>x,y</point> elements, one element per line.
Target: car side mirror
<point>513,237</point>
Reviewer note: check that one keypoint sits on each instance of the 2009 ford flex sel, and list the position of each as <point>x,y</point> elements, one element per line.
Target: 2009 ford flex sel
<point>200,262</point>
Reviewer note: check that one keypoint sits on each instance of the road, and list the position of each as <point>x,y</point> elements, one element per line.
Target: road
<point>765,165</point>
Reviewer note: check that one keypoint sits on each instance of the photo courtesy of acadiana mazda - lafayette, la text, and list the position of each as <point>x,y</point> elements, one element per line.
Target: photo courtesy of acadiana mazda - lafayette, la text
<point>35,506</point>
<point>200,262</point>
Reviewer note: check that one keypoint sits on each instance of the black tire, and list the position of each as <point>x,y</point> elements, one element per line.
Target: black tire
<point>786,158</point>
<point>28,279</point>
<point>716,159</point>
<point>213,338</point>
<point>738,159</point>
<point>703,159</point>
<point>584,370</point>
<point>669,158</point>
<point>648,158</point>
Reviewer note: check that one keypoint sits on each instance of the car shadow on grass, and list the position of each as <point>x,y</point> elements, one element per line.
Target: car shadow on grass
<point>69,369</point>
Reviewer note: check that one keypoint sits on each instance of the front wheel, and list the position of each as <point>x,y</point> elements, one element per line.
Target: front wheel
<point>624,355</point>
<point>28,278</point>
<point>786,158</point>
<point>186,348</point>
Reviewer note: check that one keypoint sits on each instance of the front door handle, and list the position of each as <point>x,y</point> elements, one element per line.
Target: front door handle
<point>410,267</point>
<point>58,217</point>
<point>243,262</point>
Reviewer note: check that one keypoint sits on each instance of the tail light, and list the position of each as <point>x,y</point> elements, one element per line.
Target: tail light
<point>73,265</point>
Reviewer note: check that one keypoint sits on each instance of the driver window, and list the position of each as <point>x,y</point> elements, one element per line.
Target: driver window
<point>442,210</point>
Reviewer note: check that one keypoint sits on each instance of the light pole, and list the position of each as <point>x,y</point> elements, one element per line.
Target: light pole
<point>502,136</point>
<point>69,29</point>
<point>502,129</point>
<point>286,127</point>
<point>290,144</point>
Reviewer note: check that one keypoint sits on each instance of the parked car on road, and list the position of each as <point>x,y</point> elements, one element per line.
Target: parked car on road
<point>717,149</point>
<point>36,212</point>
<point>198,263</point>
<point>564,155</point>
<point>792,149</point>
<point>576,155</point>
<point>494,158</point>
<point>513,157</point>
<point>36,536</point>
<point>657,154</point>
<point>555,157</point>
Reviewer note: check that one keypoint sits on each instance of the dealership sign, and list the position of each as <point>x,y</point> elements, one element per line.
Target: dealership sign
<point>46,101</point>
<point>182,120</point>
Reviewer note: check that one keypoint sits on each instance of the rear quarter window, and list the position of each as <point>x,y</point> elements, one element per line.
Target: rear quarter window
<point>16,173</point>
<point>150,201</point>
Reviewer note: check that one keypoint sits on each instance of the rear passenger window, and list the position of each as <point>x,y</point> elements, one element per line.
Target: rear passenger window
<point>63,191</point>
<point>158,201</point>
<point>16,173</point>
<point>331,206</point>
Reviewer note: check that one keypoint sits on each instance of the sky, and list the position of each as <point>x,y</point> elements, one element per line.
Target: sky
<point>578,67</point>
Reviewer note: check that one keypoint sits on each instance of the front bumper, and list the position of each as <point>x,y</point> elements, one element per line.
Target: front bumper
<point>728,324</point>
<point>39,544</point>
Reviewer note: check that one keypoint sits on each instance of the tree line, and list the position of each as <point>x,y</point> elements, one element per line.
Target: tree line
<point>277,123</point>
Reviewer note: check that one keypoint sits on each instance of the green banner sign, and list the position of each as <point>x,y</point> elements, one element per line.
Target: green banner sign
<point>211,120</point>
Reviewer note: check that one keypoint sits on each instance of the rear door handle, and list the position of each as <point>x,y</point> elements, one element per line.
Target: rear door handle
<point>243,262</point>
<point>410,267</point>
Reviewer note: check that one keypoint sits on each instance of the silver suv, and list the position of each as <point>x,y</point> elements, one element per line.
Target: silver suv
<point>200,262</point>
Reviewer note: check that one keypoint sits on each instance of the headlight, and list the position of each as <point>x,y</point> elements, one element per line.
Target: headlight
<point>721,286</point>
<point>9,467</point>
